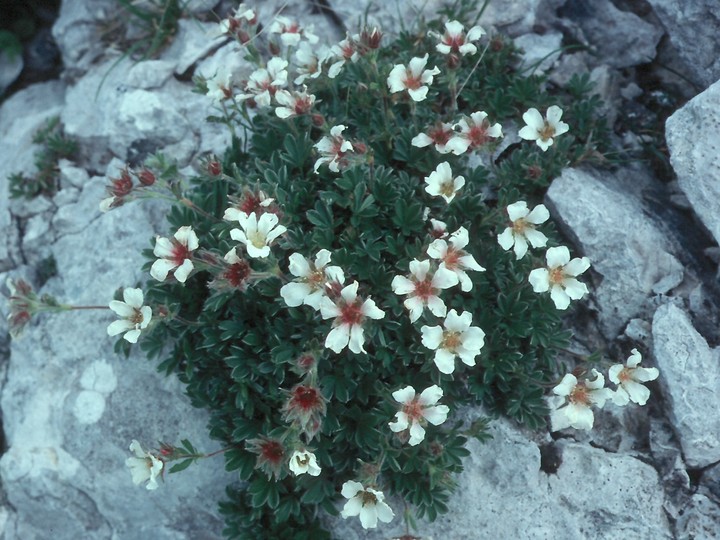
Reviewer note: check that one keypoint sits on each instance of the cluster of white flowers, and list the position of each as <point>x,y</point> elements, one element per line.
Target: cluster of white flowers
<point>572,402</point>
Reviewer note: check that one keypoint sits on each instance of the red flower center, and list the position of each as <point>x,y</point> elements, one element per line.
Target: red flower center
<point>414,410</point>
<point>454,42</point>
<point>412,81</point>
<point>272,451</point>
<point>351,314</point>
<point>424,289</point>
<point>180,252</point>
<point>556,275</point>
<point>452,258</point>
<point>306,398</point>
<point>439,135</point>
<point>478,135</point>
<point>580,395</point>
<point>237,274</point>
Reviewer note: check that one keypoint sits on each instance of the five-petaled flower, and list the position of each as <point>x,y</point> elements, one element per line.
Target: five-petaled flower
<point>522,228</point>
<point>457,338</point>
<point>313,280</point>
<point>333,149</point>
<point>423,289</point>
<point>559,277</point>
<point>302,462</point>
<point>368,503</point>
<point>440,182</point>
<point>309,61</point>
<point>350,313</point>
<point>264,82</point>
<point>219,87</point>
<point>257,234</point>
<point>543,130</point>
<point>175,255</point>
<point>417,411</point>
<point>473,132</point>
<point>438,134</point>
<point>414,78</point>
<point>135,316</point>
<point>455,40</point>
<point>629,377</point>
<point>570,406</point>
<point>346,50</point>
<point>291,32</point>
<point>293,104</point>
<point>454,257</point>
<point>144,466</point>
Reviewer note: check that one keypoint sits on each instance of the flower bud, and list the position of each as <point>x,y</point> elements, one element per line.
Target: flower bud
<point>453,61</point>
<point>318,120</point>
<point>214,167</point>
<point>146,177</point>
<point>122,186</point>
<point>371,38</point>
<point>274,48</point>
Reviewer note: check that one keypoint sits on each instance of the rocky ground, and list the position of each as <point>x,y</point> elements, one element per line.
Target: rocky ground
<point>70,406</point>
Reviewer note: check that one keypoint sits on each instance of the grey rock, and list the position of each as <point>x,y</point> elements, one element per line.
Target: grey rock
<point>194,40</point>
<point>512,18</point>
<point>567,66</point>
<point>690,381</point>
<point>76,217</point>
<point>624,246</point>
<point>691,134</point>
<point>37,237</point>
<point>78,28</point>
<point>71,407</point>
<point>540,51</point>
<point>72,176</point>
<point>504,493</point>
<point>700,519</point>
<point>150,74</point>
<point>10,68</point>
<point>639,331</point>
<point>692,27</point>
<point>621,39</point>
<point>37,103</point>
<point>710,481</point>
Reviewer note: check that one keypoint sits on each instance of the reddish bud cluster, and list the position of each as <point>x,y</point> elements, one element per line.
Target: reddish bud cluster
<point>306,407</point>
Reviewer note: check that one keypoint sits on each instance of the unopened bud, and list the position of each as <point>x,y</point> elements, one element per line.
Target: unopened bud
<point>359,148</point>
<point>274,49</point>
<point>243,37</point>
<point>146,177</point>
<point>123,185</point>
<point>318,120</point>
<point>371,38</point>
<point>453,61</point>
<point>214,167</point>
<point>497,44</point>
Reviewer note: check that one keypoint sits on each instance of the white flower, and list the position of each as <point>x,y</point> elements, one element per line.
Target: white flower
<point>309,61</point>
<point>454,258</point>
<point>628,379</point>
<point>474,132</point>
<point>412,78</point>
<point>572,401</point>
<point>293,104</point>
<point>291,32</point>
<point>257,234</point>
<point>219,87</point>
<point>441,183</point>
<point>423,289</point>
<point>143,466</point>
<point>175,255</point>
<point>542,130</point>
<point>522,229</point>
<point>439,135</point>
<point>559,277</point>
<point>458,339</point>
<point>314,278</point>
<point>350,313</point>
<point>109,203</point>
<point>250,203</point>
<point>367,503</point>
<point>264,82</point>
<point>454,40</point>
<point>417,411</point>
<point>332,149</point>
<point>304,462</point>
<point>345,51</point>
<point>439,228</point>
<point>135,316</point>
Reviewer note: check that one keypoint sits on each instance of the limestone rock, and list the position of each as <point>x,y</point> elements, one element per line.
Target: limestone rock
<point>10,68</point>
<point>504,493</point>
<point>78,28</point>
<point>624,246</point>
<point>541,51</point>
<point>71,406</point>
<point>690,380</point>
<point>691,134</point>
<point>700,519</point>
<point>621,39</point>
<point>692,27</point>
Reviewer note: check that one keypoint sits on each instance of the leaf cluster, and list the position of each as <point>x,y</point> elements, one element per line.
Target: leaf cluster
<point>54,146</point>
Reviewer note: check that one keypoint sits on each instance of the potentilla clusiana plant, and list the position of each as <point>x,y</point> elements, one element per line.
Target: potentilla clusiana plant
<point>344,252</point>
